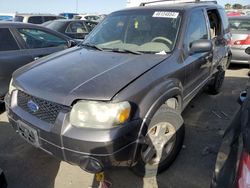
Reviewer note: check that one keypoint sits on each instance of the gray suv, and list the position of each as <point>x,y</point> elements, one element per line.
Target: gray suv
<point>117,98</point>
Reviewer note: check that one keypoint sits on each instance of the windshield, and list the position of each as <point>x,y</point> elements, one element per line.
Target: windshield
<point>239,24</point>
<point>142,31</point>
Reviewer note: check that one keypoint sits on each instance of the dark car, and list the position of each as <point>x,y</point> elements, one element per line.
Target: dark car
<point>76,29</point>
<point>232,168</point>
<point>240,29</point>
<point>117,98</point>
<point>22,43</point>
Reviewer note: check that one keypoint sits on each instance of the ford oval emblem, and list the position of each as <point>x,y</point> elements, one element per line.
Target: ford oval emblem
<point>32,106</point>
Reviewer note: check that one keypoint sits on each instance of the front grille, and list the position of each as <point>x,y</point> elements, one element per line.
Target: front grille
<point>47,111</point>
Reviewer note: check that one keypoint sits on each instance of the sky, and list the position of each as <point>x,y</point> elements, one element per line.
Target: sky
<point>84,6</point>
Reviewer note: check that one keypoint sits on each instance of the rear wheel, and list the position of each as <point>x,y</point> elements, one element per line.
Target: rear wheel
<point>217,82</point>
<point>163,142</point>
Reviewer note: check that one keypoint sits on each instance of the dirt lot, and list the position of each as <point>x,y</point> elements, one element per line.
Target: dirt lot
<point>206,118</point>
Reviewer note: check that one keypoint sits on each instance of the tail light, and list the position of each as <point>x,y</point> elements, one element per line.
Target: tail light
<point>243,42</point>
<point>244,171</point>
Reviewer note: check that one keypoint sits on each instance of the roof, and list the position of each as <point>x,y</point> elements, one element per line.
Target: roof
<point>31,14</point>
<point>177,6</point>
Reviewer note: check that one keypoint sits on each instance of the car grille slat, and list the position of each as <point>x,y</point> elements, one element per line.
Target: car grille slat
<point>48,111</point>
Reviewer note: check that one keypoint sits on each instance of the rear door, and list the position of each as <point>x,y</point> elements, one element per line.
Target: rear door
<point>12,56</point>
<point>219,38</point>
<point>41,42</point>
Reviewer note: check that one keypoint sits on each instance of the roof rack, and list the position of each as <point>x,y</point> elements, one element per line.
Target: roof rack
<point>177,1</point>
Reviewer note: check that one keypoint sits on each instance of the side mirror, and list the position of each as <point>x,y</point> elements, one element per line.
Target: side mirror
<point>200,46</point>
<point>71,43</point>
<point>247,50</point>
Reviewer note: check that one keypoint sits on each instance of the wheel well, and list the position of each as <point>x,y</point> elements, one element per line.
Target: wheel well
<point>174,103</point>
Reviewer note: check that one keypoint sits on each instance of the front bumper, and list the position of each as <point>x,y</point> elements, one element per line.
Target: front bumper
<point>93,150</point>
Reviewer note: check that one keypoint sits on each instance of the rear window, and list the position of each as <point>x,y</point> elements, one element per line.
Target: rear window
<point>35,19</point>
<point>18,19</point>
<point>55,25</point>
<point>239,24</point>
<point>7,40</point>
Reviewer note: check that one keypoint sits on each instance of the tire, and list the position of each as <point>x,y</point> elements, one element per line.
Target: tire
<point>217,82</point>
<point>164,119</point>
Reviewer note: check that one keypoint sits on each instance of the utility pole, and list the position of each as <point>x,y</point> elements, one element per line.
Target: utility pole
<point>76,6</point>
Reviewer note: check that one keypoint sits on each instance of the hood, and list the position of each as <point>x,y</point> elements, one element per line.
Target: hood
<point>81,73</point>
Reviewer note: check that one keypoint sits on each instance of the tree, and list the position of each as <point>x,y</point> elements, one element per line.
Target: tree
<point>228,6</point>
<point>237,6</point>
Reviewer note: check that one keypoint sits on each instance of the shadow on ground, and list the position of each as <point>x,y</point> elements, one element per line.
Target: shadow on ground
<point>24,165</point>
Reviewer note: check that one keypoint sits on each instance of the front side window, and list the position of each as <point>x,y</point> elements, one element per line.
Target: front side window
<point>8,42</point>
<point>197,28</point>
<point>142,31</point>
<point>36,38</point>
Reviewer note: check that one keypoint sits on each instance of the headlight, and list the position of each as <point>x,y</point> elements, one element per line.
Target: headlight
<point>100,115</point>
<point>11,87</point>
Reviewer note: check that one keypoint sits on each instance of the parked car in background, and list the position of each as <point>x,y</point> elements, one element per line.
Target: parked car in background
<point>7,16</point>
<point>76,29</point>
<point>240,29</point>
<point>36,18</point>
<point>68,15</point>
<point>232,168</point>
<point>23,43</point>
<point>117,98</point>
<point>89,17</point>
<point>233,13</point>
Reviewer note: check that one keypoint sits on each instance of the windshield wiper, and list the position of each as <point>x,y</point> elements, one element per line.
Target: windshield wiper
<point>119,50</point>
<point>91,46</point>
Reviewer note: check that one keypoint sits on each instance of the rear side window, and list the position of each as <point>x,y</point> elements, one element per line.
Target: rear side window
<point>225,23</point>
<point>197,27</point>
<point>8,42</point>
<point>35,19</point>
<point>36,38</point>
<point>18,19</point>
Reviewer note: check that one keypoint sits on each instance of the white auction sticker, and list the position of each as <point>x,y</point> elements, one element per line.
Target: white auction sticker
<point>163,14</point>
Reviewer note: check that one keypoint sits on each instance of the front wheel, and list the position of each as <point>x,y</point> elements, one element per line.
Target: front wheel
<point>163,142</point>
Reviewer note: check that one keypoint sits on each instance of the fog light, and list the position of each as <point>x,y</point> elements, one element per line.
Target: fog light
<point>90,165</point>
